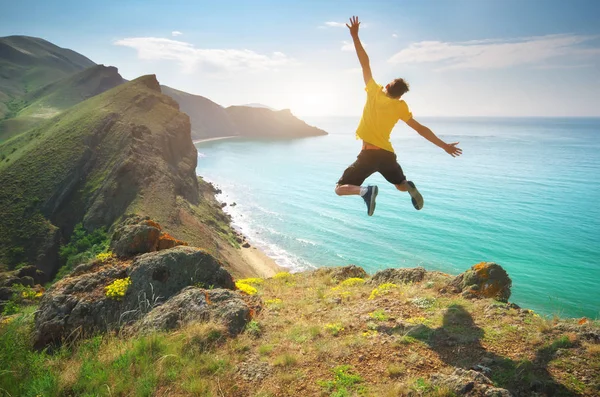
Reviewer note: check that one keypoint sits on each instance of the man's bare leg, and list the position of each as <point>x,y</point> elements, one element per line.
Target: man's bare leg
<point>416,198</point>
<point>368,193</point>
<point>347,190</point>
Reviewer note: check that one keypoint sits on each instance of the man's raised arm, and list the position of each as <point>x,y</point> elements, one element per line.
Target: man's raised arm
<point>426,133</point>
<point>363,58</point>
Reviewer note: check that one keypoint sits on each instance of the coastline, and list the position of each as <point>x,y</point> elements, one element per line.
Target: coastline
<point>212,139</point>
<point>263,265</point>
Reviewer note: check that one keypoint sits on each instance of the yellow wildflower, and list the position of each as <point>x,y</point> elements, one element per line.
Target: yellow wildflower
<point>104,256</point>
<point>117,289</point>
<point>251,281</point>
<point>250,290</point>
<point>382,289</point>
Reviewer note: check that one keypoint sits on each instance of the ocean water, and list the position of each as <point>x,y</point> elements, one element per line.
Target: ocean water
<point>525,194</point>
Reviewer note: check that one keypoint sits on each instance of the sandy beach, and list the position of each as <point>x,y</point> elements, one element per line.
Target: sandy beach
<point>259,261</point>
<point>212,139</point>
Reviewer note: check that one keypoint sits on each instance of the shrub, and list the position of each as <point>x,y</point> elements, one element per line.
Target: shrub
<point>334,329</point>
<point>343,383</point>
<point>351,282</point>
<point>118,288</point>
<point>382,290</point>
<point>104,256</point>
<point>284,276</point>
<point>248,289</point>
<point>82,248</point>
<point>253,328</point>
<point>285,360</point>
<point>379,315</point>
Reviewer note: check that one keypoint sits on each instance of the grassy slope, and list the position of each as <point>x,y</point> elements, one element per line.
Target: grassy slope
<point>55,97</point>
<point>27,64</point>
<point>316,338</point>
<point>126,150</point>
<point>71,155</point>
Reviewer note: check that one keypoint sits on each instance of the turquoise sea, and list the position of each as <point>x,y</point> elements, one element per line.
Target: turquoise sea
<point>525,194</point>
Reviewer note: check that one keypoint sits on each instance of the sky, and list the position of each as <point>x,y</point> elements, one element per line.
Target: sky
<point>461,57</point>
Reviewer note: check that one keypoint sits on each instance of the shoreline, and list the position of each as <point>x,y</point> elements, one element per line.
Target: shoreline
<point>196,141</point>
<point>263,265</point>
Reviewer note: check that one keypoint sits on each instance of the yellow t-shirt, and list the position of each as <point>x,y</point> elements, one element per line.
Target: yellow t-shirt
<point>380,115</point>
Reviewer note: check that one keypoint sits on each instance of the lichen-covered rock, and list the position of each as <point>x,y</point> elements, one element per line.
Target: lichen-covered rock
<point>484,280</point>
<point>140,235</point>
<point>397,276</point>
<point>195,304</point>
<point>468,382</point>
<point>129,240</point>
<point>159,275</point>
<point>166,241</point>
<point>78,305</point>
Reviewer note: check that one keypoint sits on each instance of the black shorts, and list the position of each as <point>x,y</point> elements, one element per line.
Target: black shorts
<point>369,162</point>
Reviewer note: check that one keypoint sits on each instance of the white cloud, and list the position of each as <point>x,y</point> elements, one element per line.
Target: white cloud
<point>176,33</point>
<point>495,53</point>
<point>208,60</point>
<point>335,24</point>
<point>394,35</point>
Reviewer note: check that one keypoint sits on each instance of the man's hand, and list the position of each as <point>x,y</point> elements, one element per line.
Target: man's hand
<point>452,150</point>
<point>354,24</point>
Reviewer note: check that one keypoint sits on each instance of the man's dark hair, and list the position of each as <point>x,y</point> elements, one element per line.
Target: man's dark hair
<point>397,88</point>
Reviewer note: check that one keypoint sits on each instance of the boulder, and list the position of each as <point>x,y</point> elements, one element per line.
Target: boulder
<point>483,280</point>
<point>5,293</point>
<point>167,241</point>
<point>398,276</point>
<point>37,275</point>
<point>195,304</point>
<point>78,306</point>
<point>129,240</point>
<point>468,382</point>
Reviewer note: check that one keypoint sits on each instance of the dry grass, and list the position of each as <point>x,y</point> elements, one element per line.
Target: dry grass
<point>393,343</point>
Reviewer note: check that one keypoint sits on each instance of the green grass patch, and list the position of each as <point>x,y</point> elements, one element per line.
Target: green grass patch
<point>345,382</point>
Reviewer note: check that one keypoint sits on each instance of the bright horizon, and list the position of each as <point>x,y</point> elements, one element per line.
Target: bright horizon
<point>461,58</point>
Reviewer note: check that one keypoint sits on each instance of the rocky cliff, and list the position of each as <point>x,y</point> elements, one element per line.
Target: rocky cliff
<point>128,150</point>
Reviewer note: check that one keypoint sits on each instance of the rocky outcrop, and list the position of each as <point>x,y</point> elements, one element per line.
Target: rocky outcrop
<point>341,273</point>
<point>484,280</point>
<point>398,276</point>
<point>195,304</point>
<point>79,305</point>
<point>140,235</point>
<point>468,382</point>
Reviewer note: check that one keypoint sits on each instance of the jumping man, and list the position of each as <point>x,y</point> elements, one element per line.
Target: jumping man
<point>382,111</point>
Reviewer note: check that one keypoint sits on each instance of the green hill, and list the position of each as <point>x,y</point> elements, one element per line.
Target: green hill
<point>267,123</point>
<point>128,150</point>
<point>208,119</point>
<point>51,99</point>
<point>29,63</point>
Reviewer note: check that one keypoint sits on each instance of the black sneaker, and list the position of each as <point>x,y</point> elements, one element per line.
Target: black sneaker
<point>416,198</point>
<point>369,198</point>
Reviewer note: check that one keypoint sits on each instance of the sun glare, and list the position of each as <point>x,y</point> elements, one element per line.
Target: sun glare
<point>312,100</point>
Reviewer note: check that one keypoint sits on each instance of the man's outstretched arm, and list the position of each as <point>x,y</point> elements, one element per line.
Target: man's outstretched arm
<point>363,58</point>
<point>426,133</point>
